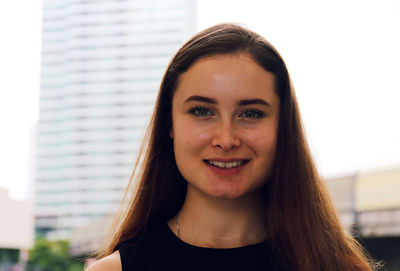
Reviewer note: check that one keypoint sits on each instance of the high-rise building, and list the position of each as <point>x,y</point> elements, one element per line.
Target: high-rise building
<point>102,63</point>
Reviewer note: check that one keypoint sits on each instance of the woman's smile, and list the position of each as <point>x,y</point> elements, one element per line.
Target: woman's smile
<point>226,167</point>
<point>228,163</point>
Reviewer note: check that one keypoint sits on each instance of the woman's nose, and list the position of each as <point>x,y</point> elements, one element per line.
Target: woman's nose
<point>226,137</point>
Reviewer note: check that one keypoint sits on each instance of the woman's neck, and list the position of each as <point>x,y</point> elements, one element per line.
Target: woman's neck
<point>220,223</point>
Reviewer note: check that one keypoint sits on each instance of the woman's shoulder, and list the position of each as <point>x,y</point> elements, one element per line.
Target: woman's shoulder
<point>110,263</point>
<point>133,252</point>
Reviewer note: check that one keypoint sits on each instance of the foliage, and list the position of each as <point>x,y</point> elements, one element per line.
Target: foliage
<point>49,255</point>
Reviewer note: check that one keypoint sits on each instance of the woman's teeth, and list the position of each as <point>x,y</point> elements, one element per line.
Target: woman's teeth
<point>220,164</point>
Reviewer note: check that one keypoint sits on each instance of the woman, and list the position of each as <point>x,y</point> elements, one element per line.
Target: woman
<point>226,180</point>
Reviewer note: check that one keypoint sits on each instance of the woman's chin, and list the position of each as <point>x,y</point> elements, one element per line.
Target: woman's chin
<point>225,192</point>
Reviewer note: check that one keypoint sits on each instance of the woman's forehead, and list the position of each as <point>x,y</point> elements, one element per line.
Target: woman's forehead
<point>226,75</point>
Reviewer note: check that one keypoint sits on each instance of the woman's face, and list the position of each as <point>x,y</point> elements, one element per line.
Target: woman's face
<point>225,115</point>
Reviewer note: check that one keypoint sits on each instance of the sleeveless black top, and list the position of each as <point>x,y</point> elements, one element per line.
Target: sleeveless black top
<point>159,249</point>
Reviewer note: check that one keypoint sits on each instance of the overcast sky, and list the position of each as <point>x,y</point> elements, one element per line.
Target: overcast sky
<point>342,55</point>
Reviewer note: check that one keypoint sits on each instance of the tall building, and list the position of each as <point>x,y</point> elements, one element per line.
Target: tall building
<point>102,63</point>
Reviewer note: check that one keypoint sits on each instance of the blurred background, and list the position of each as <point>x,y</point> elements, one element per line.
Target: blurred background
<point>79,79</point>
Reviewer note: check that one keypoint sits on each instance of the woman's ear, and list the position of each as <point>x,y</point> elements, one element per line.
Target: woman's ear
<point>171,133</point>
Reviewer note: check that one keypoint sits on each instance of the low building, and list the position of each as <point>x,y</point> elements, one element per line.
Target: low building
<point>16,227</point>
<point>369,201</point>
<point>378,203</point>
<point>342,193</point>
<point>16,231</point>
<point>88,239</point>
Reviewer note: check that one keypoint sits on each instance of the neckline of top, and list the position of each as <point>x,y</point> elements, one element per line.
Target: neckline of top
<point>172,236</point>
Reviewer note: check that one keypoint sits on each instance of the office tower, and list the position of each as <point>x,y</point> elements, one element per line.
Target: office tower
<point>102,63</point>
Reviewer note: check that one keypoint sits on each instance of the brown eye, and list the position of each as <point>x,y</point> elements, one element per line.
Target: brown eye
<point>252,114</point>
<point>201,111</point>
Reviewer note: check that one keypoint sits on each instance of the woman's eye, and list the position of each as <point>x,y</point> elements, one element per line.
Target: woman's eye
<point>200,111</point>
<point>252,114</point>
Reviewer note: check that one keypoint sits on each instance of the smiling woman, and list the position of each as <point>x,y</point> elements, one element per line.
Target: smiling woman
<point>226,181</point>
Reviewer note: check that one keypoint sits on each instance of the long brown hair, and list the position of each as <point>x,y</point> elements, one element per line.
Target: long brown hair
<point>304,229</point>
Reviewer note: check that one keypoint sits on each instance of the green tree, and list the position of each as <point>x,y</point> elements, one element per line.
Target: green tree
<point>49,255</point>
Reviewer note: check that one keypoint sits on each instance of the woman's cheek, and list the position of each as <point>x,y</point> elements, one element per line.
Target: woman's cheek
<point>204,135</point>
<point>198,136</point>
<point>260,141</point>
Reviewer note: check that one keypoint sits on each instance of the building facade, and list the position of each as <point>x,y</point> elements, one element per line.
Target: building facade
<point>370,200</point>
<point>16,231</point>
<point>102,63</point>
<point>342,193</point>
<point>368,204</point>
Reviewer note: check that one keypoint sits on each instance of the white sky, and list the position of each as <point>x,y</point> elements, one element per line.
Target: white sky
<point>343,56</point>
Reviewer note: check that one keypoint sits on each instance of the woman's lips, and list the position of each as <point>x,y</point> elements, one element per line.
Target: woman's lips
<point>226,167</point>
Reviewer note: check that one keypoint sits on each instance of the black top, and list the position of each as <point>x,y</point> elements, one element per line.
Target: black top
<point>159,249</point>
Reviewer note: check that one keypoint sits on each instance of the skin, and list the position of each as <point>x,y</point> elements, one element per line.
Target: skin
<point>110,263</point>
<point>224,109</point>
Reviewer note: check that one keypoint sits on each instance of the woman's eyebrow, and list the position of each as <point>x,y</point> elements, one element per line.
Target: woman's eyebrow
<point>203,99</point>
<point>253,101</point>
